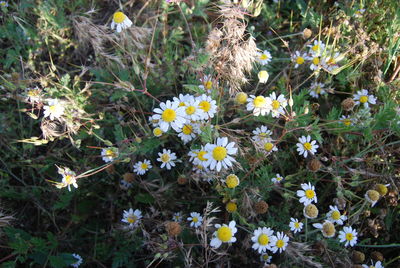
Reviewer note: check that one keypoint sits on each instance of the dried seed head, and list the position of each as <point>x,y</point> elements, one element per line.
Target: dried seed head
<point>261,207</point>
<point>241,98</point>
<point>373,195</point>
<point>358,257</point>
<point>307,33</point>
<point>231,207</point>
<point>348,104</point>
<point>328,229</point>
<point>377,256</point>
<point>381,189</point>
<point>182,180</point>
<point>128,177</point>
<point>310,211</point>
<point>314,165</point>
<point>173,228</point>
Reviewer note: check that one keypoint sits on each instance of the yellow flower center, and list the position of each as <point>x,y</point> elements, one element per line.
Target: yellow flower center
<point>231,207</point>
<point>224,234</point>
<point>300,60</point>
<point>335,215</point>
<point>168,115</point>
<point>263,135</point>
<point>190,110</point>
<point>349,236</point>
<point>182,104</point>
<point>200,156</point>
<point>68,179</point>
<point>132,219</point>
<point>232,181</point>
<point>307,146</point>
<point>241,98</point>
<point>268,146</point>
<point>53,108</point>
<point>110,153</point>
<point>263,57</point>
<point>315,48</point>
<point>280,243</point>
<point>310,193</point>
<point>205,106</point>
<point>263,75</point>
<point>373,195</point>
<point>187,129</point>
<point>263,239</point>
<point>208,85</point>
<point>144,166</point>
<point>347,122</point>
<point>33,92</point>
<point>318,89</point>
<point>297,225</point>
<point>165,158</point>
<point>331,61</point>
<point>265,257</point>
<point>157,131</point>
<point>363,99</point>
<point>259,101</point>
<point>219,153</point>
<point>315,61</point>
<point>119,17</point>
<point>275,104</point>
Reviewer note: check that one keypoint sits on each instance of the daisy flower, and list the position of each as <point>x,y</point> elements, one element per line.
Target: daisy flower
<point>120,21</point>
<point>224,234</point>
<point>262,239</point>
<point>263,76</point>
<point>347,120</point>
<point>153,122</point>
<point>372,196</point>
<point>196,219</point>
<point>177,216</point>
<point>295,225</point>
<point>378,264</point>
<point>335,216</point>
<point>232,181</point>
<point>266,258</point>
<point>307,195</point>
<point>124,184</point>
<point>142,167</point>
<point>182,99</point>
<point>157,132</point>
<point>306,146</point>
<point>109,154</point>
<point>264,57</point>
<point>277,104</point>
<point>269,146</point>
<point>170,115</point>
<point>327,228</point>
<point>69,178</point>
<point>362,97</point>
<point>208,105</point>
<point>317,47</point>
<point>261,133</point>
<point>359,13</point>
<point>219,154</point>
<point>278,178</point>
<point>207,83</point>
<point>315,62</point>
<point>187,132</point>
<point>78,261</point>
<point>317,89</point>
<point>34,95</point>
<point>197,157</point>
<point>349,236</point>
<point>166,157</point>
<point>54,109</point>
<point>132,217</point>
<point>258,105</point>
<point>193,111</point>
<point>3,4</point>
<point>279,242</point>
<point>298,58</point>
<point>329,63</point>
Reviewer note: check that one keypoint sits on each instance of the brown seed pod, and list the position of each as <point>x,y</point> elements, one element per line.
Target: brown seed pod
<point>314,165</point>
<point>128,177</point>
<point>307,33</point>
<point>348,104</point>
<point>377,256</point>
<point>261,207</point>
<point>358,257</point>
<point>173,228</point>
<point>182,180</point>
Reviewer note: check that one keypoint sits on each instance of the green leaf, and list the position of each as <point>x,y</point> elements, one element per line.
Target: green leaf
<point>144,198</point>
